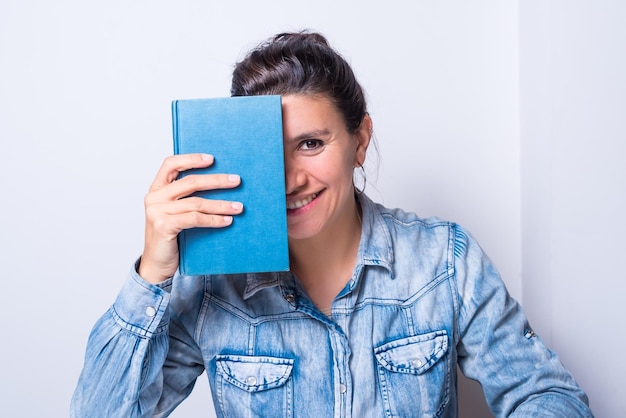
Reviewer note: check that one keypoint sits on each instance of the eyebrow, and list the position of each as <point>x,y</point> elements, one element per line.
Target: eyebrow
<point>310,135</point>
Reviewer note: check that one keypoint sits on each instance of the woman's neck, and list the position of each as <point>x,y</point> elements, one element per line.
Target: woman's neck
<point>324,263</point>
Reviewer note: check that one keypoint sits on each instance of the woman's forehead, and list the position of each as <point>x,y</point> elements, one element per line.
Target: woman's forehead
<point>306,114</point>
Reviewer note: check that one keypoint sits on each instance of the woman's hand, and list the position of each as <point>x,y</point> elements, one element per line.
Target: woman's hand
<point>170,209</point>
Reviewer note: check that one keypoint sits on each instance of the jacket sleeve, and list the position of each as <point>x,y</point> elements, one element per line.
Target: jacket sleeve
<point>123,372</point>
<point>519,375</point>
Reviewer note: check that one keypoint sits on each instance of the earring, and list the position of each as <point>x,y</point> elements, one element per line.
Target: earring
<point>364,181</point>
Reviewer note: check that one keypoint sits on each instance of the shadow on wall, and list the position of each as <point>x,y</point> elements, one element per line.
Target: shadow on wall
<point>472,402</point>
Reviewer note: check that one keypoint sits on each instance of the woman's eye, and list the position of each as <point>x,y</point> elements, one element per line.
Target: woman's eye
<point>310,144</point>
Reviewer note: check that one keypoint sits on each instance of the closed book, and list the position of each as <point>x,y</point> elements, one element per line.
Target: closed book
<point>245,136</point>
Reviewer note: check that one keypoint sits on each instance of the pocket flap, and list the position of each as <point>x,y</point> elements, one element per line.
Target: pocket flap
<point>414,354</point>
<point>254,373</point>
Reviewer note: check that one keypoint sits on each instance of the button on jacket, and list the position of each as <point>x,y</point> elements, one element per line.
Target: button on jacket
<point>423,298</point>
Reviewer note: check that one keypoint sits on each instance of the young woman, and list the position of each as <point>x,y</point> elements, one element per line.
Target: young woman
<point>377,311</point>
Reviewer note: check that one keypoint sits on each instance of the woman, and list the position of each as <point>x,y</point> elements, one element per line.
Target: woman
<point>377,311</point>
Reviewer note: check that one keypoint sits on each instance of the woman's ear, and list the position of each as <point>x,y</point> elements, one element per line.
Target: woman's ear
<point>363,137</point>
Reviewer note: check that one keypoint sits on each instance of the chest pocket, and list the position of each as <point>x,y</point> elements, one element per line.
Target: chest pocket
<point>414,375</point>
<point>254,386</point>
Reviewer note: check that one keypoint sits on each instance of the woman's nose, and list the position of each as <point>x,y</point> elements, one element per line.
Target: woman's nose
<point>295,178</point>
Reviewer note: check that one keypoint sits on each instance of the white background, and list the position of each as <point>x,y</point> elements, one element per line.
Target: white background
<point>505,116</point>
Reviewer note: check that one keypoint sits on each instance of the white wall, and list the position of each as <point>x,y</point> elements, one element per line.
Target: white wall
<point>573,108</point>
<point>85,120</point>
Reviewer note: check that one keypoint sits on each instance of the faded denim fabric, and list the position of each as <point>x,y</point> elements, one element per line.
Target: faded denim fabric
<point>423,298</point>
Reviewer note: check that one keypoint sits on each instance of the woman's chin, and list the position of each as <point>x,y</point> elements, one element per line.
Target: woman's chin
<point>301,231</point>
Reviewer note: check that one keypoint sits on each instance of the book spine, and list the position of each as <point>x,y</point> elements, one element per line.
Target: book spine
<point>175,125</point>
<point>182,263</point>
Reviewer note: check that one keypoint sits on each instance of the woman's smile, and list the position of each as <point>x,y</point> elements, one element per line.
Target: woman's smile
<point>294,205</point>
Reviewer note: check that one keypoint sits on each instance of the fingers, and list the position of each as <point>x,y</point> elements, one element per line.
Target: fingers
<point>192,183</point>
<point>169,218</point>
<point>172,166</point>
<point>171,206</point>
<point>168,185</point>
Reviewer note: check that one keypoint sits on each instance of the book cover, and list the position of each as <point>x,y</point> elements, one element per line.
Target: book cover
<point>245,135</point>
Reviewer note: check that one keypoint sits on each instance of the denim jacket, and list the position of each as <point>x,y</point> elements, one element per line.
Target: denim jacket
<point>423,298</point>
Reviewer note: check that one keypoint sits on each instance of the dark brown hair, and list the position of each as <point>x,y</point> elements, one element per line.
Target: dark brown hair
<point>301,63</point>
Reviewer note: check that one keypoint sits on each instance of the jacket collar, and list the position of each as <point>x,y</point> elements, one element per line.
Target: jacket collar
<point>376,247</point>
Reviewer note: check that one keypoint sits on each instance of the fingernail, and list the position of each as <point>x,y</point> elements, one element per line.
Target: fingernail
<point>236,205</point>
<point>233,178</point>
<point>207,157</point>
<point>228,220</point>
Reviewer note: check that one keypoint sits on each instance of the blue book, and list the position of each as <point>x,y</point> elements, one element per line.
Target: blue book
<point>245,135</point>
